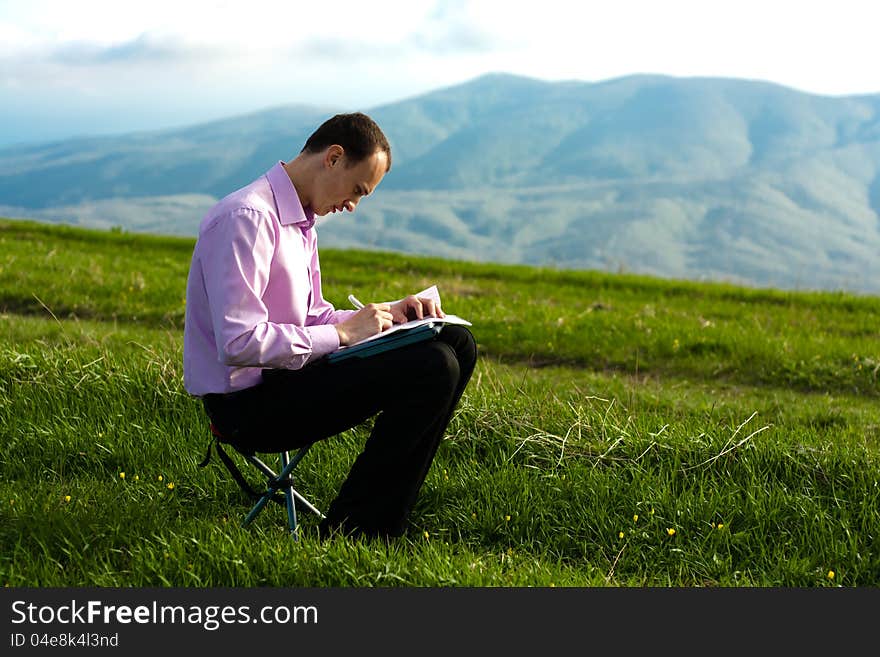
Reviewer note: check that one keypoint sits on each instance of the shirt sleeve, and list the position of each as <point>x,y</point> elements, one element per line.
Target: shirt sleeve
<point>236,261</point>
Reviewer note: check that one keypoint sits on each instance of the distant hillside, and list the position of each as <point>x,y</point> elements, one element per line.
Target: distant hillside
<point>697,178</point>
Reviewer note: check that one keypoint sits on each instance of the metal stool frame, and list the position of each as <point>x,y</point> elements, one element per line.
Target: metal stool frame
<point>280,481</point>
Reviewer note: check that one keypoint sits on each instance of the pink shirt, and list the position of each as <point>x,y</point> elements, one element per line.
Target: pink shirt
<point>253,295</point>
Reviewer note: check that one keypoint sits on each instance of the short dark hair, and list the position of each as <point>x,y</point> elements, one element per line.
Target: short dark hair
<point>357,133</point>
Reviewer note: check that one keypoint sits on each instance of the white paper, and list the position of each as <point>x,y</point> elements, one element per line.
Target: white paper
<point>428,293</point>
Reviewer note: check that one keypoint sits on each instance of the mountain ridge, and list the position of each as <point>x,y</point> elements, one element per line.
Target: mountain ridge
<point>701,178</point>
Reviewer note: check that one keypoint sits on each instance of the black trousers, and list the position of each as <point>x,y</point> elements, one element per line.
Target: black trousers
<point>412,391</point>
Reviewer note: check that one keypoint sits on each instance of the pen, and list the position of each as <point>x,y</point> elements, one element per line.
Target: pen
<point>357,304</point>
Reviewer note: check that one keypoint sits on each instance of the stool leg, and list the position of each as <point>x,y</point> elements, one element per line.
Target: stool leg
<point>308,505</point>
<point>263,501</point>
<point>275,482</point>
<point>288,495</point>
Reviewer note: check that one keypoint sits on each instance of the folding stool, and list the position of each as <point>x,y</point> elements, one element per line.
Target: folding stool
<point>281,481</point>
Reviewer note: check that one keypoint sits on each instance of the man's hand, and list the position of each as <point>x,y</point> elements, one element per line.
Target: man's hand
<point>369,320</point>
<point>413,307</point>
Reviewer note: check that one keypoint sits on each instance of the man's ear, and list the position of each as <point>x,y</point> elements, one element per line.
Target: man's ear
<point>334,155</point>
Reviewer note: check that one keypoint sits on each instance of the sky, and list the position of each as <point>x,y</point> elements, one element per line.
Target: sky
<point>98,67</point>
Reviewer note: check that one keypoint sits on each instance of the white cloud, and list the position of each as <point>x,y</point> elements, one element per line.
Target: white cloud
<point>230,56</point>
<point>821,47</point>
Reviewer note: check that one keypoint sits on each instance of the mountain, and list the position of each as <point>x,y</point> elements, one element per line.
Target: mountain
<point>699,178</point>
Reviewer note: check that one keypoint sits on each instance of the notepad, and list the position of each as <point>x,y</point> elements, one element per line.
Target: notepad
<point>408,326</point>
<point>400,335</point>
<point>386,342</point>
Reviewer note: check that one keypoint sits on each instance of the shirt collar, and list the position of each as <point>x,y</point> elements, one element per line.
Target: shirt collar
<point>290,208</point>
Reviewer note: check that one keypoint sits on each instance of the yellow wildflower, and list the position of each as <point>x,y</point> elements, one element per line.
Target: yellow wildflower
<point>670,531</point>
<point>170,485</point>
<point>830,574</point>
<point>620,535</point>
<point>160,477</point>
<point>67,498</point>
<point>720,525</point>
<point>427,535</point>
<point>636,518</point>
<point>506,518</point>
<point>122,475</point>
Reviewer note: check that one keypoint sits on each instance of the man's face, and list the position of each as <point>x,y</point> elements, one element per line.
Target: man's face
<point>342,185</point>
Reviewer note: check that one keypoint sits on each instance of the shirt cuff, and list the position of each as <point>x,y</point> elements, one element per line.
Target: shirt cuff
<point>325,339</point>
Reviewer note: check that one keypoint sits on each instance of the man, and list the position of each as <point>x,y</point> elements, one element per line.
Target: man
<point>257,327</point>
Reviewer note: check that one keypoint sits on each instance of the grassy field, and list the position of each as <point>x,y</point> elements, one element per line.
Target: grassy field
<point>618,431</point>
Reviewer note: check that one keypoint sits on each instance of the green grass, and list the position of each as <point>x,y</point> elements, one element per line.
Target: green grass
<point>744,420</point>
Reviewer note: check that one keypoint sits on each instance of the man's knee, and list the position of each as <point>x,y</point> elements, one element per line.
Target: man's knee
<point>440,362</point>
<point>462,342</point>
